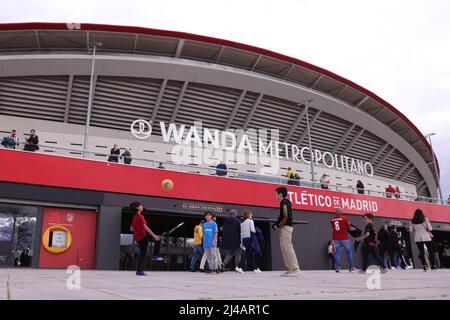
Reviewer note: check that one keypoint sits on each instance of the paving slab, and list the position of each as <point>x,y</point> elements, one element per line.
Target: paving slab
<point>42,284</point>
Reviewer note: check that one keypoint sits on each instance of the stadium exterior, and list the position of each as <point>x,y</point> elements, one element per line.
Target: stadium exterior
<point>182,103</point>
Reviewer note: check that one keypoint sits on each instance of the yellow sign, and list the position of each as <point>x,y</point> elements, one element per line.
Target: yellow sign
<point>167,185</point>
<point>56,239</point>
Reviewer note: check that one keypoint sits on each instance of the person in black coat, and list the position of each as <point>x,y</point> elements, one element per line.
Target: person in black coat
<point>396,248</point>
<point>32,142</point>
<point>126,155</point>
<point>114,155</point>
<point>231,239</point>
<point>360,187</point>
<point>383,246</point>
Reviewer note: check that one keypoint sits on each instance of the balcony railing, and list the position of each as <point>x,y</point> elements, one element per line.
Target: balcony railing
<point>230,173</point>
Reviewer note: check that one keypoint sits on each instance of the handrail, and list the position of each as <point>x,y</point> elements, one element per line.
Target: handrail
<point>189,168</point>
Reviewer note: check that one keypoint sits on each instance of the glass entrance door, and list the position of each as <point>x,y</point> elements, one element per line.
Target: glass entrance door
<point>17,232</point>
<point>176,233</point>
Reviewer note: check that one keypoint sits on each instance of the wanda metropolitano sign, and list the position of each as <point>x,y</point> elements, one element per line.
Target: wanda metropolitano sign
<point>251,141</point>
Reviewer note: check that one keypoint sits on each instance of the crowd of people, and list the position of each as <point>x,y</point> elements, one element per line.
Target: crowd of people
<point>386,248</point>
<point>294,179</point>
<point>240,246</point>
<point>32,144</point>
<point>241,242</point>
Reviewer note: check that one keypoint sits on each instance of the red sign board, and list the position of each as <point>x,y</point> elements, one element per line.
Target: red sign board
<point>111,177</point>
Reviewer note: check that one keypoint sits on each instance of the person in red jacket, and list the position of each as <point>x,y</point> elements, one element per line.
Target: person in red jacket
<point>140,229</point>
<point>340,225</point>
<point>390,191</point>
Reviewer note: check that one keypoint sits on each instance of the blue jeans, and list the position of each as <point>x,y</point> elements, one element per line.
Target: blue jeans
<point>338,244</point>
<point>398,260</point>
<point>198,253</point>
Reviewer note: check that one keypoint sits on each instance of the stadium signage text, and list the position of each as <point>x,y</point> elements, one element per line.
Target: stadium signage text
<point>311,199</point>
<point>243,142</point>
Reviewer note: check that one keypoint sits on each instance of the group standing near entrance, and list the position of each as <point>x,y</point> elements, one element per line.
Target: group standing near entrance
<point>242,242</point>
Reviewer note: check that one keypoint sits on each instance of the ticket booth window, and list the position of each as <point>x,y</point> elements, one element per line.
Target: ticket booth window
<point>56,239</point>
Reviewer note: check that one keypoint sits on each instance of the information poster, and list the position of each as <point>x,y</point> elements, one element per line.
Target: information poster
<point>59,239</point>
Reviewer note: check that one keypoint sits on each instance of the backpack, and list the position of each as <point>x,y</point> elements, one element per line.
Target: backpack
<point>8,142</point>
<point>296,177</point>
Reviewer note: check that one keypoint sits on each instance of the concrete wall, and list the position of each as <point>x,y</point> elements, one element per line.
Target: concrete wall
<point>108,238</point>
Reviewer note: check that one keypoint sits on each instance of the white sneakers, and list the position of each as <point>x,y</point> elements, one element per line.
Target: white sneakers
<point>237,269</point>
<point>289,273</point>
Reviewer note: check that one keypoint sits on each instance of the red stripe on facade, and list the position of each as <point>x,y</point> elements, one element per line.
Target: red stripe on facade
<point>56,171</point>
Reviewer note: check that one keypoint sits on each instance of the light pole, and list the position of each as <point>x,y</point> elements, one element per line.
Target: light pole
<point>435,165</point>
<point>94,46</point>
<point>309,140</point>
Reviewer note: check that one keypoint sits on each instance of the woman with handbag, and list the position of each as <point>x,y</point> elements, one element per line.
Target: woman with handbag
<point>421,227</point>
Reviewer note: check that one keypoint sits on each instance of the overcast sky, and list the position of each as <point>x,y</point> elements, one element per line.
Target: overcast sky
<point>400,50</point>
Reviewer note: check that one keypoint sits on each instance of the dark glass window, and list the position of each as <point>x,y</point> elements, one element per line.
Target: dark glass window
<point>17,234</point>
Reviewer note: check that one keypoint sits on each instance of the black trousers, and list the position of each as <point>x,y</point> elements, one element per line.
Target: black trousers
<point>370,251</point>
<point>382,250</point>
<point>143,245</point>
<point>429,245</point>
<point>248,261</point>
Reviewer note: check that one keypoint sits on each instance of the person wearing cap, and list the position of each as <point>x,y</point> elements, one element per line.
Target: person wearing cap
<point>126,155</point>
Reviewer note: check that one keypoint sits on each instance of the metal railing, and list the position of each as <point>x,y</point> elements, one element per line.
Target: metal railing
<point>231,173</point>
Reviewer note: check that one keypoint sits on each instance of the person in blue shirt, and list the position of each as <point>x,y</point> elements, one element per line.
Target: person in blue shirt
<point>210,233</point>
<point>221,169</point>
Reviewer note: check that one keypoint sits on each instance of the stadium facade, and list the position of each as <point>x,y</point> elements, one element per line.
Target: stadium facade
<point>182,103</point>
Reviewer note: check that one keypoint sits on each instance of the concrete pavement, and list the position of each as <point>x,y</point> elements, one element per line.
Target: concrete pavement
<point>96,284</point>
